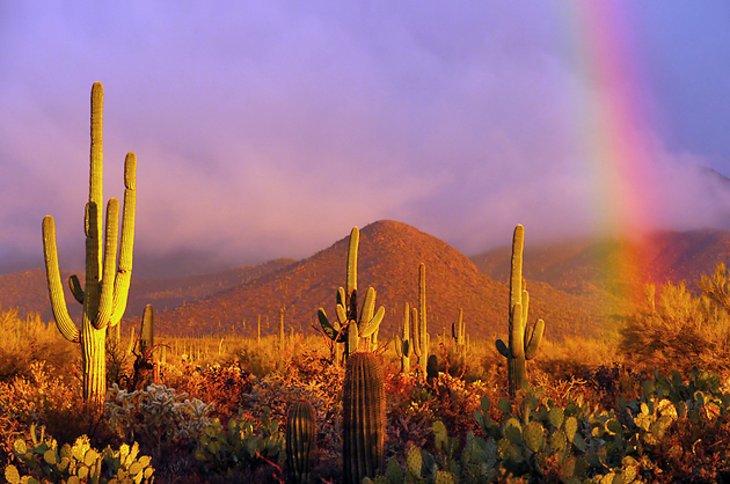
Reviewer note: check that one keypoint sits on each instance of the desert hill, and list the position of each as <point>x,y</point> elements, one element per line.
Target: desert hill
<point>27,290</point>
<point>580,266</point>
<point>389,255</point>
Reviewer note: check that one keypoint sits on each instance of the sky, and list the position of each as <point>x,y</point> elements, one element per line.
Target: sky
<point>269,129</point>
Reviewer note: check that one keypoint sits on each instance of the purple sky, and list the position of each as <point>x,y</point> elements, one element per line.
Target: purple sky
<point>269,129</point>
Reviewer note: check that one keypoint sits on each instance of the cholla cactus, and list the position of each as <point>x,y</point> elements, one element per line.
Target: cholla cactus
<point>104,296</point>
<point>352,324</point>
<point>523,342</point>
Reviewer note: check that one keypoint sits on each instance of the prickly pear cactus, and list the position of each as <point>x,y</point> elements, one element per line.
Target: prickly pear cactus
<point>79,462</point>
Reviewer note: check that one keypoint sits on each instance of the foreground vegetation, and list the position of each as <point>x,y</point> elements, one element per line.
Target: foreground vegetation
<point>596,410</point>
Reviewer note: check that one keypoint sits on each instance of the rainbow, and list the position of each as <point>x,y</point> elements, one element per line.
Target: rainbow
<point>613,122</point>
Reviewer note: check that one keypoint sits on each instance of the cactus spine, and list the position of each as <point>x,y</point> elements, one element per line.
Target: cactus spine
<point>300,439</point>
<point>403,343</point>
<point>364,418</point>
<point>352,325</point>
<point>422,340</point>
<point>523,342</point>
<point>104,296</point>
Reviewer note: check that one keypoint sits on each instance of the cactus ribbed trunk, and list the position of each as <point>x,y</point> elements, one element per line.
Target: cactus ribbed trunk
<point>300,440</point>
<point>516,364</point>
<point>93,359</point>
<point>364,419</point>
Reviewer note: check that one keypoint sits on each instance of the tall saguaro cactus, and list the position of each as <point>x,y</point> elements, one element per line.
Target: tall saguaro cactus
<point>352,324</point>
<point>104,296</point>
<point>421,340</point>
<point>523,342</point>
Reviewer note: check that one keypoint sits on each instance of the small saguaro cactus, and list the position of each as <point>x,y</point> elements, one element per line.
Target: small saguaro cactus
<point>352,324</point>
<point>282,333</point>
<point>364,418</point>
<point>458,333</point>
<point>258,329</point>
<point>147,332</point>
<point>144,361</point>
<point>300,439</point>
<point>104,295</point>
<point>421,340</point>
<point>403,343</point>
<point>523,342</point>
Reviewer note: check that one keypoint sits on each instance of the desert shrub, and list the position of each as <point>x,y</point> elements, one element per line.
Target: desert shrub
<point>680,331</point>
<point>224,386</point>
<point>166,423</point>
<point>240,447</point>
<point>27,340</point>
<point>41,397</point>
<point>44,461</point>
<point>308,377</point>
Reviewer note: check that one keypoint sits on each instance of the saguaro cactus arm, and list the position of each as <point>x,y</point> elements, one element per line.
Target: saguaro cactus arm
<point>126,247</point>
<point>75,286</point>
<point>111,240</point>
<point>64,322</point>
<point>533,339</point>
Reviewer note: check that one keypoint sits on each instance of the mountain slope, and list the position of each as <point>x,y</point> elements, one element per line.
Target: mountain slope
<point>389,255</point>
<point>27,290</point>
<point>581,266</point>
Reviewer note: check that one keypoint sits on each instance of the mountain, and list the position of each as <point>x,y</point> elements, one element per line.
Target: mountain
<point>581,266</point>
<point>389,255</point>
<point>27,290</point>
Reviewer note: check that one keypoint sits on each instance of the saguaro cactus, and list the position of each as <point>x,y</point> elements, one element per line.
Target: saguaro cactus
<point>421,340</point>
<point>458,333</point>
<point>104,296</point>
<point>364,418</point>
<point>403,343</point>
<point>352,325</point>
<point>523,342</point>
<point>282,333</point>
<point>147,332</point>
<point>300,439</point>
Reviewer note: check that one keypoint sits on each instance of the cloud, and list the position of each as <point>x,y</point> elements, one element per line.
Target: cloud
<point>266,130</point>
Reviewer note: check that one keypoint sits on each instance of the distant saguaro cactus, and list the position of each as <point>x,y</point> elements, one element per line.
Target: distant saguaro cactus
<point>403,347</point>
<point>523,342</point>
<point>458,333</point>
<point>352,325</point>
<point>147,332</point>
<point>300,439</point>
<point>364,418</point>
<point>104,296</point>
<point>421,340</point>
<point>144,361</point>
